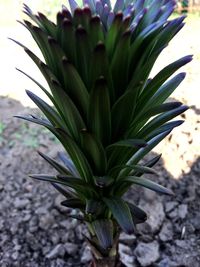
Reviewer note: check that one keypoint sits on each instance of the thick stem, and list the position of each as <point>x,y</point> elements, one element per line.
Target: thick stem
<point>107,262</point>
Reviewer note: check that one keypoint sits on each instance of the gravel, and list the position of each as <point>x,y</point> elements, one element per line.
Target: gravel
<point>147,253</point>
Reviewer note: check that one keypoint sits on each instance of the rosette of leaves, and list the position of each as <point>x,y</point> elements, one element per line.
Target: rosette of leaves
<point>105,110</point>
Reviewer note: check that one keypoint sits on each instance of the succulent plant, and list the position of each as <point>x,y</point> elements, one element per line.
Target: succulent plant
<point>106,110</point>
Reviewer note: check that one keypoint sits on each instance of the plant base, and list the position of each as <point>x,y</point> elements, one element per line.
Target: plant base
<point>107,262</point>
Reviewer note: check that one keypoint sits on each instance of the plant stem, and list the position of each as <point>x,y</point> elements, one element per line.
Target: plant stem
<point>107,262</point>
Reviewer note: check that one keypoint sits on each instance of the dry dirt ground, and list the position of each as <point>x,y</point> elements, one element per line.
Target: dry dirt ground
<point>34,231</point>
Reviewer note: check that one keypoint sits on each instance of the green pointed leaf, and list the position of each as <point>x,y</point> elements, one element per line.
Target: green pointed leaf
<point>113,34</point>
<point>99,66</point>
<point>120,121</point>
<point>68,111</point>
<point>160,120</point>
<point>70,181</point>
<point>159,109</point>
<point>68,40</point>
<point>68,163</point>
<point>151,88</point>
<point>76,156</point>
<point>165,127</point>
<point>121,213</point>
<point>94,151</point>
<point>153,161</point>
<point>65,191</point>
<point>165,90</point>
<point>132,168</point>
<point>96,30</point>
<point>41,38</point>
<point>104,231</point>
<point>129,143</point>
<point>38,121</point>
<point>99,115</point>
<point>33,17</point>
<point>83,52</point>
<point>148,184</point>
<point>73,203</point>
<point>144,150</point>
<point>57,54</point>
<point>120,64</point>
<point>118,152</point>
<point>75,88</point>
<point>138,215</point>
<point>48,25</point>
<point>48,111</point>
<point>60,168</point>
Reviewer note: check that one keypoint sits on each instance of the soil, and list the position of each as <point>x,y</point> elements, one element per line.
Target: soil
<point>35,230</point>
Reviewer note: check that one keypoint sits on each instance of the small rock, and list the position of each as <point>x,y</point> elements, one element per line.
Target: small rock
<point>173,214</point>
<point>147,253</point>
<point>59,250</point>
<point>128,261</point>
<point>166,263</point>
<point>156,217</point>
<point>17,247</point>
<point>182,211</point>
<point>127,239</point>
<point>81,231</point>
<point>171,205</point>
<point>33,229</point>
<point>41,210</point>
<point>15,255</point>
<point>55,238</point>
<point>166,233</point>
<point>86,255</point>
<point>181,243</point>
<point>195,222</point>
<point>26,218</point>
<point>1,225</point>
<point>46,221</point>
<point>149,195</point>
<point>126,255</point>
<point>71,248</point>
<point>21,203</point>
<point>57,204</point>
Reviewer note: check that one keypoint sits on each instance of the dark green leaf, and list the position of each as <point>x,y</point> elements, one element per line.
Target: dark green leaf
<point>151,88</point>
<point>48,111</point>
<point>104,231</point>
<point>121,213</point>
<point>73,203</point>
<point>159,120</point>
<point>75,88</point>
<point>68,163</point>
<point>138,215</point>
<point>65,191</point>
<point>61,169</point>
<point>129,143</point>
<point>94,151</point>
<point>148,184</point>
<point>99,115</point>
